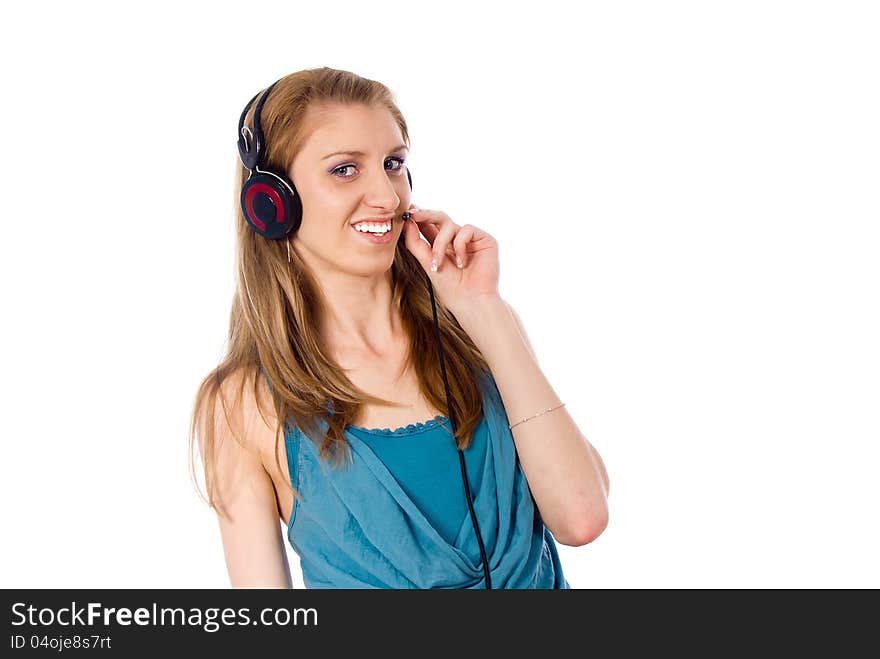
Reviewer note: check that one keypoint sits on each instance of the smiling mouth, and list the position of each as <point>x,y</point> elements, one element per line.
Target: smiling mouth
<point>377,237</point>
<point>374,228</point>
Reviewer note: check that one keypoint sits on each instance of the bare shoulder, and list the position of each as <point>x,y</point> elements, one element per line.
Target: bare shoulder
<point>250,391</point>
<point>252,542</point>
<point>244,412</point>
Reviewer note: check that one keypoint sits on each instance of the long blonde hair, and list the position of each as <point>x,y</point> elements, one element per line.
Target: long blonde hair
<point>277,305</point>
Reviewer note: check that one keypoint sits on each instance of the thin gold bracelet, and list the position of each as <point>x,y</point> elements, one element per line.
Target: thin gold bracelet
<point>549,409</point>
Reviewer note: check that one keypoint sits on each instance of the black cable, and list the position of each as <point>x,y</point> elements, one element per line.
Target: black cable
<point>467,489</point>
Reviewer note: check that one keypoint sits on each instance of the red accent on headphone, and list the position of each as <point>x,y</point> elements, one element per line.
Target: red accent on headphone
<point>265,189</point>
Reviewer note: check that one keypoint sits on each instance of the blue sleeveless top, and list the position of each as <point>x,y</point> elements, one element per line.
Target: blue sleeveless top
<point>423,460</point>
<point>396,515</point>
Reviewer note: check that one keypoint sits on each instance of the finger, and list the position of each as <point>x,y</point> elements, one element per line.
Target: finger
<point>414,243</point>
<point>422,250</point>
<point>460,243</point>
<point>431,223</point>
<point>441,242</point>
<point>429,231</point>
<point>409,211</point>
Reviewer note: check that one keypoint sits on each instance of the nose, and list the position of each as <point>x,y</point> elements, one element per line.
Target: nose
<point>381,190</point>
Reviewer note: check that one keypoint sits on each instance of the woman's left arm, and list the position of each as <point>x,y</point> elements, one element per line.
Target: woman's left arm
<point>565,473</point>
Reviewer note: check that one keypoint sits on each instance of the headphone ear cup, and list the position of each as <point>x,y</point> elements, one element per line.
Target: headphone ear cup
<point>270,205</point>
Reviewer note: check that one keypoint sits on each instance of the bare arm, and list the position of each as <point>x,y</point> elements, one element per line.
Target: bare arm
<point>253,544</point>
<point>566,476</point>
<point>599,463</point>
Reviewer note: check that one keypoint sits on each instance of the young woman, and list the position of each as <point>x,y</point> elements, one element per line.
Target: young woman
<point>401,462</point>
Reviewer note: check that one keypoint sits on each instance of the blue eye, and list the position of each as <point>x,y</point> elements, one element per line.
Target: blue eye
<point>399,167</point>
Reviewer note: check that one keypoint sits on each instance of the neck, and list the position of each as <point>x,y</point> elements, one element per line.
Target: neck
<point>358,313</point>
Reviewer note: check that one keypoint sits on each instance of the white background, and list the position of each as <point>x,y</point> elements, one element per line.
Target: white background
<point>686,199</point>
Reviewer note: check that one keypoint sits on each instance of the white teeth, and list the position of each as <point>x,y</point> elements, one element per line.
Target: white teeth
<point>366,227</point>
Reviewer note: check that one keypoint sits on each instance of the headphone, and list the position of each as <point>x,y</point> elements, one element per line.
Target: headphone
<point>273,209</point>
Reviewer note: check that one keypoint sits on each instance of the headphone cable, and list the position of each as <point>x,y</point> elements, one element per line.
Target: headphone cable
<point>467,489</point>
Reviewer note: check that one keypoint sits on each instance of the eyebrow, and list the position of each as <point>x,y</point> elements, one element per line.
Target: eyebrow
<point>401,147</point>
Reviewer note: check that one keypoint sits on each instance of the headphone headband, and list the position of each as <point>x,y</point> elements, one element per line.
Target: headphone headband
<point>250,150</point>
